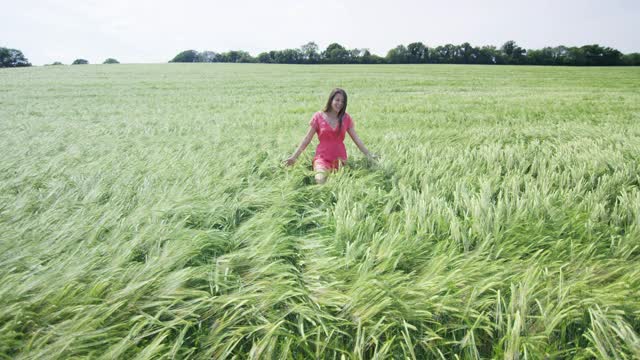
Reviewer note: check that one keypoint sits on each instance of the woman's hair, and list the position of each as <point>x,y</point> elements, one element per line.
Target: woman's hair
<point>327,107</point>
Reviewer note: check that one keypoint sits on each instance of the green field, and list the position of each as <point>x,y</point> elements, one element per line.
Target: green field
<point>145,213</point>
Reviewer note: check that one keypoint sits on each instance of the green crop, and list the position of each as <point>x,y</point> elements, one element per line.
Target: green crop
<point>145,213</point>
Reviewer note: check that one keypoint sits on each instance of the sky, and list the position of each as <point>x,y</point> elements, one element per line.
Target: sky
<point>154,31</point>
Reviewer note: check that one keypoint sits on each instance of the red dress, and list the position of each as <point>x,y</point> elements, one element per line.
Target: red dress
<point>331,151</point>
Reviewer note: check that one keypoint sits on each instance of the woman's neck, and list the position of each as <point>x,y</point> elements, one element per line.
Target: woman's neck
<point>331,113</point>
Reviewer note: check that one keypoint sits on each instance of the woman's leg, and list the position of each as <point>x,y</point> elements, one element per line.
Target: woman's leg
<point>321,176</point>
<point>322,171</point>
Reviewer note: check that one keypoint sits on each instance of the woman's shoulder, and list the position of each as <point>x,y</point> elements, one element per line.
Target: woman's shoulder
<point>315,118</point>
<point>348,117</point>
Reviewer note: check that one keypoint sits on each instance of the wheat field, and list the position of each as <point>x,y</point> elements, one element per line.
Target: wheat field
<point>145,213</point>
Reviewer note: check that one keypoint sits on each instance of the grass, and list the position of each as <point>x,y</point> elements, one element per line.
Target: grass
<point>144,213</point>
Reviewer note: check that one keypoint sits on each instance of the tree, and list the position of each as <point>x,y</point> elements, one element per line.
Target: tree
<point>375,59</point>
<point>488,55</point>
<point>111,61</point>
<point>355,55</point>
<point>288,56</point>
<point>12,58</point>
<point>310,53</point>
<point>514,54</point>
<point>540,57</point>
<point>417,53</point>
<point>265,58</point>
<point>575,56</point>
<point>398,55</point>
<point>369,58</point>
<point>468,54</point>
<point>207,57</point>
<point>236,56</point>
<point>611,56</point>
<point>187,56</point>
<point>446,54</point>
<point>336,54</point>
<point>79,62</point>
<point>366,57</point>
<point>632,59</point>
<point>596,55</point>
<point>560,55</point>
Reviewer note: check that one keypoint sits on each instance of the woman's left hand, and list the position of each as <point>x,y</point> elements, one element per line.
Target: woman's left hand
<point>372,157</point>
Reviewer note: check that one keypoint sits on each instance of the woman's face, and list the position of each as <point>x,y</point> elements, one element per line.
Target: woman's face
<point>337,103</point>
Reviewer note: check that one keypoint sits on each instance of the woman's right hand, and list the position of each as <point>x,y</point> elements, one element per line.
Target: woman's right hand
<point>290,161</point>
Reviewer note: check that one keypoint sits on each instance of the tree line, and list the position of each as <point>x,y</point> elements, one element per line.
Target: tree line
<point>415,53</point>
<point>15,58</point>
<point>418,53</point>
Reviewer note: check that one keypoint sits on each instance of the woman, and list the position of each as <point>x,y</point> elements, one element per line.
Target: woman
<point>331,124</point>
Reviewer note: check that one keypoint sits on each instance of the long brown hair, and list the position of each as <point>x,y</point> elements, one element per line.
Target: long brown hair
<point>327,107</point>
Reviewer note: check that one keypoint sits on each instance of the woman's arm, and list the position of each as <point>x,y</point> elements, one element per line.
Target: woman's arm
<point>303,145</point>
<point>359,143</point>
